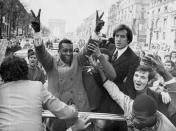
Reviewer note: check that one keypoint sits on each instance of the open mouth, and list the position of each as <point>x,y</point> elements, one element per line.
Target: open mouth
<point>33,62</point>
<point>138,84</point>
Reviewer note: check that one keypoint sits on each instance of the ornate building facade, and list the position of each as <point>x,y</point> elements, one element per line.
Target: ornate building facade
<point>132,13</point>
<point>162,22</point>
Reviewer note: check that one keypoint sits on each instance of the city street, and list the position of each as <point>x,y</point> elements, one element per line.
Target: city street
<point>87,65</point>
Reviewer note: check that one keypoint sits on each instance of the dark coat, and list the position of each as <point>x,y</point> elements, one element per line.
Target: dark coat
<point>125,67</point>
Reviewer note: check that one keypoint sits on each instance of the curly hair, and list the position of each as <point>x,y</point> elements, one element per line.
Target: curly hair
<point>65,40</point>
<point>14,68</point>
<point>147,68</point>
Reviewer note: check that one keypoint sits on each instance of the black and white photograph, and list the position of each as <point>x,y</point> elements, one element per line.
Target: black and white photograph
<point>87,65</point>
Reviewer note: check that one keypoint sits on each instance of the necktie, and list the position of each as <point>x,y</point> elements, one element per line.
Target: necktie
<point>114,57</point>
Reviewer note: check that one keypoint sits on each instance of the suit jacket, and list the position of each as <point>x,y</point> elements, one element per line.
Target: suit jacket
<point>125,67</point>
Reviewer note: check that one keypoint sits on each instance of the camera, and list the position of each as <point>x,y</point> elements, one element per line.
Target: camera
<point>106,42</point>
<point>94,42</point>
<point>102,42</point>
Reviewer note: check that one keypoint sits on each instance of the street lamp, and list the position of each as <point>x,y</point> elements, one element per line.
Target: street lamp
<point>174,29</point>
<point>151,34</point>
<point>17,19</point>
<point>1,16</point>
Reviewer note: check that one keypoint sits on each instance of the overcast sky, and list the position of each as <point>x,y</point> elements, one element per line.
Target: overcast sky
<point>73,11</point>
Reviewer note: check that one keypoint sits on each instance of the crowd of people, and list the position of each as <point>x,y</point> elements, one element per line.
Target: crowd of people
<point>106,76</point>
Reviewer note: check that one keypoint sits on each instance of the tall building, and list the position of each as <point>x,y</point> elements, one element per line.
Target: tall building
<point>85,30</point>
<point>162,24</point>
<point>132,13</point>
<point>112,17</point>
<point>57,27</point>
<point>71,35</point>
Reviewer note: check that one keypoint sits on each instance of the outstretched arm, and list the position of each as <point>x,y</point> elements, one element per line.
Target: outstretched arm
<point>104,63</point>
<point>156,63</point>
<point>57,107</point>
<point>124,101</point>
<point>43,56</point>
<point>168,78</point>
<point>94,39</point>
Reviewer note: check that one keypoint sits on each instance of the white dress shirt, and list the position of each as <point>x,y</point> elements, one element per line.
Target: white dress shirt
<point>120,51</point>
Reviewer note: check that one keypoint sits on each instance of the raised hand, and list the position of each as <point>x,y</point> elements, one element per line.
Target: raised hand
<point>156,62</point>
<point>38,40</point>
<point>36,21</point>
<point>152,61</point>
<point>99,22</point>
<point>165,97</point>
<point>91,46</point>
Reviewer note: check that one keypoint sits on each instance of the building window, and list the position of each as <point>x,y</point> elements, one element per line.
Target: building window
<point>165,9</point>
<point>157,35</point>
<point>175,21</point>
<point>153,12</point>
<point>156,23</point>
<point>165,22</point>
<point>164,35</point>
<point>158,10</point>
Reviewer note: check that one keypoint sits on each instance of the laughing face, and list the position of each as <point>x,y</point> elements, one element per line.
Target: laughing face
<point>140,80</point>
<point>66,53</point>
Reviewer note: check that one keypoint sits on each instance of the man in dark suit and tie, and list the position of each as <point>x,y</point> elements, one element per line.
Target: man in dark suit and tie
<point>124,61</point>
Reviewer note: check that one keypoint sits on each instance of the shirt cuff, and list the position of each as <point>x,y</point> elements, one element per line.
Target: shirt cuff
<point>170,81</point>
<point>106,83</point>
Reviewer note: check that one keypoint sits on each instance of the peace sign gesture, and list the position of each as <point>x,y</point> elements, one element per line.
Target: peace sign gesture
<point>36,21</point>
<point>99,22</point>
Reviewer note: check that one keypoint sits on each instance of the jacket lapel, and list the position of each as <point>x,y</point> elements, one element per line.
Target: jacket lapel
<point>112,51</point>
<point>123,57</point>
